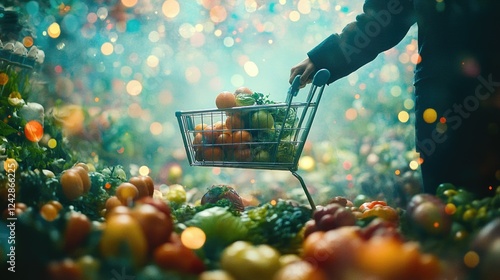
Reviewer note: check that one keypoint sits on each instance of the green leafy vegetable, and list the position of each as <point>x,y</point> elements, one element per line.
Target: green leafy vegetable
<point>244,99</point>
<point>286,152</point>
<point>277,225</point>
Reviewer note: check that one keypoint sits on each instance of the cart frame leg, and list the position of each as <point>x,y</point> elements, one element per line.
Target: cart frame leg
<point>306,191</point>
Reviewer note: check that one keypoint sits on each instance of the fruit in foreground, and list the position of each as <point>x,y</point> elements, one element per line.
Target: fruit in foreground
<point>246,261</point>
<point>71,183</point>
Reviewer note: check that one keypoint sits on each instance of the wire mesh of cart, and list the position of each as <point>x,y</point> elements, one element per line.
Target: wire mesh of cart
<point>266,136</point>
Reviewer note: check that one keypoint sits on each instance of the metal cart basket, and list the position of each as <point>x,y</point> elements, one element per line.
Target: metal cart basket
<point>266,136</point>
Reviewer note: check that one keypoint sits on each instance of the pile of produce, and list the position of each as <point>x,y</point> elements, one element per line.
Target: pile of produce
<point>252,127</point>
<point>164,235</point>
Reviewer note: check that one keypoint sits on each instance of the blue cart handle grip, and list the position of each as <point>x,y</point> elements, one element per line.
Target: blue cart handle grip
<point>294,88</point>
<point>321,77</point>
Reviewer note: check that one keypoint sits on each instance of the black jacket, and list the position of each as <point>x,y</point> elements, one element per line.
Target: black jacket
<point>449,33</point>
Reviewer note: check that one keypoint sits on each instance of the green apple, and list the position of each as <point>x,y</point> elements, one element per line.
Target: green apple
<point>262,120</point>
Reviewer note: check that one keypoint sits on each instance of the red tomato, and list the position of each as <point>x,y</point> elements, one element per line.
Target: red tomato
<point>150,184</point>
<point>300,270</point>
<point>225,100</point>
<point>78,228</point>
<point>127,193</point>
<point>141,186</point>
<point>49,212</point>
<point>84,175</point>
<point>55,203</point>
<point>234,122</point>
<point>210,133</point>
<point>242,137</point>
<point>71,183</point>
<point>333,249</point>
<point>242,154</point>
<point>66,269</point>
<point>213,154</point>
<point>156,226</point>
<point>120,231</point>
<point>173,255</point>
<point>161,205</point>
<point>225,140</point>
<point>388,258</point>
<point>112,202</point>
<point>118,210</point>
<point>243,90</point>
<point>82,165</point>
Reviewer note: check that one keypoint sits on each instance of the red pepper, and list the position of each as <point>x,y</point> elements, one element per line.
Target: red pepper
<point>371,204</point>
<point>384,212</point>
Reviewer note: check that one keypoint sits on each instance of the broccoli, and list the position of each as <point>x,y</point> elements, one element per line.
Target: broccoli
<point>277,225</point>
<point>280,115</point>
<point>261,99</point>
<point>185,212</point>
<point>286,152</point>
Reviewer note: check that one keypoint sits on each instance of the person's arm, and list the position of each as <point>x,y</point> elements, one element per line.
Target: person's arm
<point>381,26</point>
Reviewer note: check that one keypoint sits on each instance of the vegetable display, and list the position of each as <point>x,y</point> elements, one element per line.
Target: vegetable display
<point>278,224</point>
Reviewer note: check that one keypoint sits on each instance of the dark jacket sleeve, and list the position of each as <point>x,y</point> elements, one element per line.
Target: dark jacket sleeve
<point>382,25</point>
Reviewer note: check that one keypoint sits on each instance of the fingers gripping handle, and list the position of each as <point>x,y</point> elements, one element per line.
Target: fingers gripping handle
<point>320,79</point>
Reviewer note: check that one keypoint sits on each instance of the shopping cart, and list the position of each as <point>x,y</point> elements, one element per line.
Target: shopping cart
<point>266,136</point>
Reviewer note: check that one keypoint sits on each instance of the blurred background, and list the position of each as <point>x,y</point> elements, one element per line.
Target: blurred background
<point>118,70</point>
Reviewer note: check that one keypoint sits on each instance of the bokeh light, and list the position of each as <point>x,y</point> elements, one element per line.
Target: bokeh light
<point>193,238</point>
<point>304,6</point>
<point>403,116</point>
<point>251,68</point>
<point>54,30</point>
<point>152,61</point>
<point>408,104</point>
<point>413,165</point>
<point>4,78</point>
<point>107,48</point>
<point>429,115</point>
<point>28,41</point>
<point>134,87</point>
<point>351,114</point>
<point>170,8</point>
<point>129,3</point>
<point>218,14</point>
<point>144,170</point>
<point>471,259</point>
<point>10,165</point>
<point>156,128</point>
<point>294,16</point>
<point>193,74</point>
<point>52,143</point>
<point>307,163</point>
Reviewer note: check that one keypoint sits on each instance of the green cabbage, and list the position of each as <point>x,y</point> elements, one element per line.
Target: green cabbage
<point>221,228</point>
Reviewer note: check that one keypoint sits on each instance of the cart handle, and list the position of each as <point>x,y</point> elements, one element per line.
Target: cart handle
<point>320,78</point>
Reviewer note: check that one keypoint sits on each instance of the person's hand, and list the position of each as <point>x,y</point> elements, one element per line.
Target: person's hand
<point>305,68</point>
